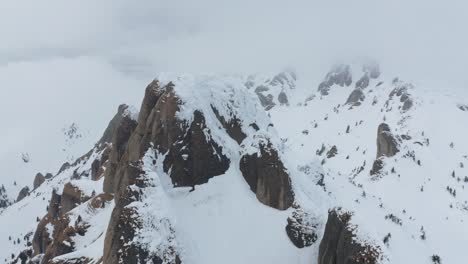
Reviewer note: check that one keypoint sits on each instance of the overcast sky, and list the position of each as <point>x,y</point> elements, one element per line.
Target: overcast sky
<point>418,37</point>
<point>75,61</point>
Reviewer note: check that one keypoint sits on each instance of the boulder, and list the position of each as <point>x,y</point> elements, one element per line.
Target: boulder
<point>267,177</point>
<point>338,245</point>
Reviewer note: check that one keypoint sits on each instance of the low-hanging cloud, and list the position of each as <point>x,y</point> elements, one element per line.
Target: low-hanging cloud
<point>416,38</point>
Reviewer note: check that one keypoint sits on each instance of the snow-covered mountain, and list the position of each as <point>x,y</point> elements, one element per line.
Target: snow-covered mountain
<point>264,168</point>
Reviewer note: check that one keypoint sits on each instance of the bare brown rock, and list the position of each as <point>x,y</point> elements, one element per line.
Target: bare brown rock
<point>115,155</point>
<point>268,178</point>
<point>338,245</point>
<point>71,197</point>
<point>113,125</point>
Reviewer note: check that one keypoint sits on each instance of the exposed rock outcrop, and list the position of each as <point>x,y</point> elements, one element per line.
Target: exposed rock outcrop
<point>463,107</point>
<point>274,91</point>
<point>233,126</point>
<point>114,124</point>
<point>339,75</point>
<point>53,233</point>
<point>71,197</point>
<point>4,201</point>
<point>356,97</point>
<point>283,98</point>
<point>267,100</point>
<point>387,144</point>
<point>23,193</point>
<point>267,177</point>
<point>338,245</point>
<point>192,157</point>
<point>38,180</point>
<point>99,166</point>
<point>363,82</point>
<point>301,229</point>
<point>401,90</point>
<point>285,79</point>
<point>332,152</point>
<point>115,154</point>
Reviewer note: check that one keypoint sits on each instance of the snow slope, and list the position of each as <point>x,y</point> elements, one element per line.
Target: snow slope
<point>432,219</point>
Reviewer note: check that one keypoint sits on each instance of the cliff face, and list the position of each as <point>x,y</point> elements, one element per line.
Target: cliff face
<point>190,156</point>
<point>267,177</point>
<point>338,245</point>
